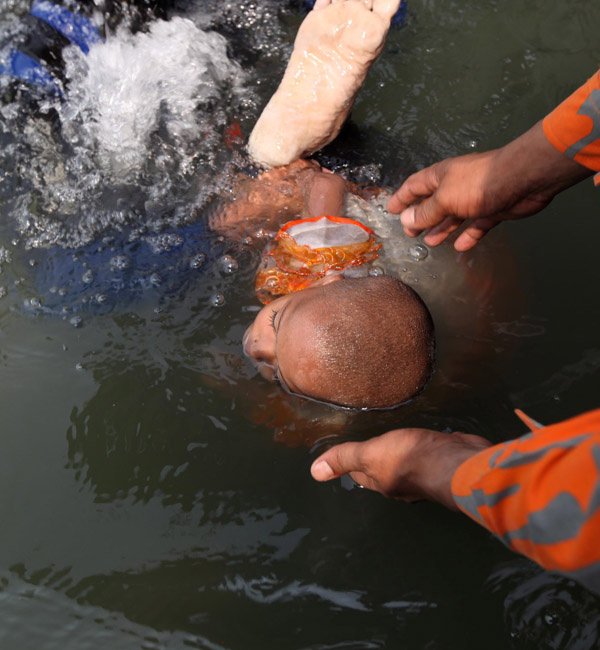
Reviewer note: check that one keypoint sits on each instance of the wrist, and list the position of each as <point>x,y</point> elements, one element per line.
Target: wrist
<point>439,464</point>
<point>532,165</point>
<point>442,489</point>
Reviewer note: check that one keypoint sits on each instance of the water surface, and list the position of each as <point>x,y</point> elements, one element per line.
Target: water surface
<point>155,492</point>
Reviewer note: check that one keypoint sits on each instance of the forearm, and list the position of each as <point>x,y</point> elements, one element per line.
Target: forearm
<point>539,495</point>
<point>530,164</point>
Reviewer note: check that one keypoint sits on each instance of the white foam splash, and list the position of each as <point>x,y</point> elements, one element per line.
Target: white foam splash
<point>131,85</point>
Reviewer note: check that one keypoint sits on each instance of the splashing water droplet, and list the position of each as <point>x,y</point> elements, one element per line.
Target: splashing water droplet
<point>418,252</point>
<point>155,280</point>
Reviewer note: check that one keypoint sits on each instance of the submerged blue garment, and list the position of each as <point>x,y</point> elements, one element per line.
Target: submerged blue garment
<point>37,60</point>
<point>78,29</point>
<point>115,270</point>
<point>25,68</point>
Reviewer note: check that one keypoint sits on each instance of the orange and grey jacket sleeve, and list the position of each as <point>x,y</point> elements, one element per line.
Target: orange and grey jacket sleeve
<point>540,494</point>
<point>573,127</point>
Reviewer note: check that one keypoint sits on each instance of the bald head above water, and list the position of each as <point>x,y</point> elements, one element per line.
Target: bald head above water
<point>360,343</point>
<point>370,342</point>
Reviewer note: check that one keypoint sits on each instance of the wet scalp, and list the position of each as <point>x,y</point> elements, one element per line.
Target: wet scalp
<point>374,342</point>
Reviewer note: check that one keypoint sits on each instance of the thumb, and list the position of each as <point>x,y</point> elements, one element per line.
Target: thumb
<point>423,215</point>
<point>341,459</point>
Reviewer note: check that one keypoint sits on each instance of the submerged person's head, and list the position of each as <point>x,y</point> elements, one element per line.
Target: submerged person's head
<point>360,343</point>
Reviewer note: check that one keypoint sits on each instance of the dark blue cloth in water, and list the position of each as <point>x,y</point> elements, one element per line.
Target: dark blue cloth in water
<point>115,270</point>
<point>38,60</point>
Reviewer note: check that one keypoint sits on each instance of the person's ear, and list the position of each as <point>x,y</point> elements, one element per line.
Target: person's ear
<point>334,277</point>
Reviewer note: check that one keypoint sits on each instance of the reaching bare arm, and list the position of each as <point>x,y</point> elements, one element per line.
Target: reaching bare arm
<point>481,190</point>
<point>405,464</point>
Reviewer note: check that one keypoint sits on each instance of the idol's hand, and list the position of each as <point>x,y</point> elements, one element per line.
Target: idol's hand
<point>405,464</point>
<point>481,190</point>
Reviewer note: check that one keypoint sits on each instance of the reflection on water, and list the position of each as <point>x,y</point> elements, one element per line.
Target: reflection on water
<point>154,489</point>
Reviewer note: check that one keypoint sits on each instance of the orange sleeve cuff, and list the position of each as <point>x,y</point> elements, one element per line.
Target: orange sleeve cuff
<point>573,127</point>
<point>488,464</point>
<point>540,495</point>
<point>471,472</point>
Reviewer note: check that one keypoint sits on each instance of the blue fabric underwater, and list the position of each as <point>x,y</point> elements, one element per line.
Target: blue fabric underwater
<point>118,271</point>
<point>76,28</point>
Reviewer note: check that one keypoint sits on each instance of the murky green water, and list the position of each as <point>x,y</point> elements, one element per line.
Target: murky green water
<point>155,494</point>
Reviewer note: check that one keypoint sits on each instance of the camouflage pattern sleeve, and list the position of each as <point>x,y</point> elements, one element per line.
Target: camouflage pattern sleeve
<point>540,494</point>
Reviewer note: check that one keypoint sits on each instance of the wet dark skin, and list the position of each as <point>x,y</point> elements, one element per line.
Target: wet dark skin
<point>282,344</point>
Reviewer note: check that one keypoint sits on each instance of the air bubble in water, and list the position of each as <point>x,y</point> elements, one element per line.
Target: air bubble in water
<point>376,271</point>
<point>418,252</point>
<point>119,263</point>
<point>197,261</point>
<point>272,283</point>
<point>76,321</point>
<point>155,280</point>
<point>87,277</point>
<point>228,264</point>
<point>217,300</point>
<point>101,298</point>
